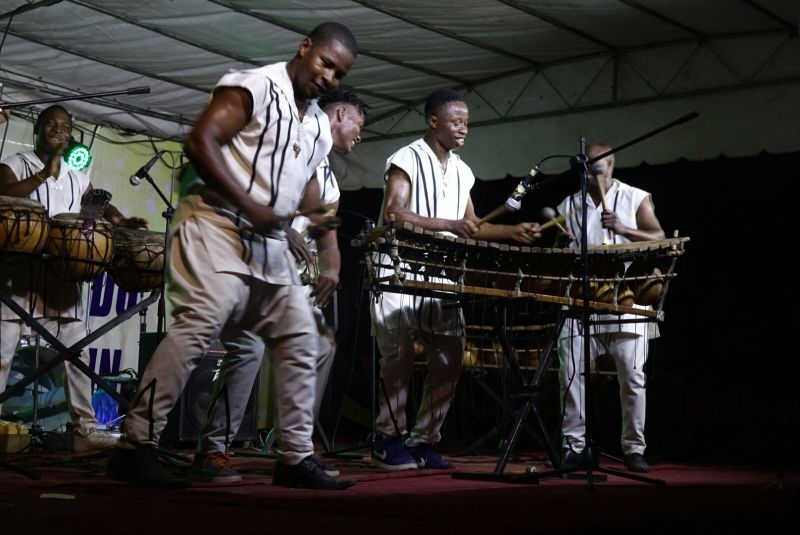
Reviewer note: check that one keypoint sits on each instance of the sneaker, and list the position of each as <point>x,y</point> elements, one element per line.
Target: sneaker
<point>215,468</point>
<point>328,469</point>
<point>141,466</point>
<point>390,453</point>
<point>307,474</point>
<point>93,440</point>
<point>635,463</point>
<point>426,457</point>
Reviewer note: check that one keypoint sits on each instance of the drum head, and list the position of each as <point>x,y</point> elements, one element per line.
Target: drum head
<point>23,225</point>
<point>79,249</point>
<point>138,263</point>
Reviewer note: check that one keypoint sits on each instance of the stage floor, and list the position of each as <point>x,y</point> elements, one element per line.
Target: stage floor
<point>74,496</point>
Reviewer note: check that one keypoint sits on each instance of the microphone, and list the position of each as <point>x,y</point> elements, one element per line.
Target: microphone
<point>141,173</point>
<point>514,201</point>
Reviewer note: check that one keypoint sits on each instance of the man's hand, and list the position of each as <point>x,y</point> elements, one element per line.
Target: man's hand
<point>263,218</point>
<point>323,225</point>
<point>464,227</point>
<point>525,232</point>
<point>611,221</point>
<point>131,222</point>
<point>298,246</point>
<point>53,166</point>
<point>324,287</point>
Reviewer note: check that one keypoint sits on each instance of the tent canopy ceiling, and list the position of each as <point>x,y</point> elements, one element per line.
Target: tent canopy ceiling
<point>516,60</point>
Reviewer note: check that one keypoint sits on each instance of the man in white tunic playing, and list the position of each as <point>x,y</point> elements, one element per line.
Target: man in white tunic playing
<point>44,176</point>
<point>629,217</point>
<point>427,185</point>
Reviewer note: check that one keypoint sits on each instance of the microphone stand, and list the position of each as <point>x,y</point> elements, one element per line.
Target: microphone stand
<point>589,458</point>
<point>167,215</point>
<point>132,91</point>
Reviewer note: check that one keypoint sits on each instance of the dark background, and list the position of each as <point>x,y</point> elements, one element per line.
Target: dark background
<point>722,377</point>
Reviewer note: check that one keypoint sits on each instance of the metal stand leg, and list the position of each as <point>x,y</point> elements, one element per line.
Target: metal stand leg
<point>530,391</point>
<point>71,353</point>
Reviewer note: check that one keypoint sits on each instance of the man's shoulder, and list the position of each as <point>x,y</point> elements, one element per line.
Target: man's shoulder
<point>258,74</point>
<point>315,111</point>
<point>18,159</point>
<point>460,162</point>
<point>627,188</point>
<point>416,147</point>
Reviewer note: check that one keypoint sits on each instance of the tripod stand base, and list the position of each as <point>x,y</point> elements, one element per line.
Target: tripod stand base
<point>530,476</point>
<point>584,477</point>
<point>590,476</point>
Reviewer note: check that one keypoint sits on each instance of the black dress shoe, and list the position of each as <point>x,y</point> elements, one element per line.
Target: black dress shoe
<point>141,467</point>
<point>635,463</point>
<point>308,475</point>
<point>569,458</point>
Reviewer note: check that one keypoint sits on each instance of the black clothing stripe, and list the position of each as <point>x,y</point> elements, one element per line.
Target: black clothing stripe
<point>316,138</point>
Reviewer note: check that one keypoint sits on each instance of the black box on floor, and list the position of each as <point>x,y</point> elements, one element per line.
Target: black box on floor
<point>189,414</point>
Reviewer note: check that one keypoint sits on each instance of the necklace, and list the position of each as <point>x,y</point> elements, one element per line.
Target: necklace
<point>296,147</point>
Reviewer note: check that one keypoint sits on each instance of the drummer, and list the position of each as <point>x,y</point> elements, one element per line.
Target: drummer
<point>44,176</point>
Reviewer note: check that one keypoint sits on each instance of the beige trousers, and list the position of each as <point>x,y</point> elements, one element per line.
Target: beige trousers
<point>205,303</point>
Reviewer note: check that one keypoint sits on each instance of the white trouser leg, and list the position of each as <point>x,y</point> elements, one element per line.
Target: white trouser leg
<point>287,324</point>
<point>326,351</point>
<point>9,338</point>
<point>571,361</point>
<point>629,354</point>
<point>234,384</point>
<point>445,356</point>
<point>396,366</point>
<point>78,385</point>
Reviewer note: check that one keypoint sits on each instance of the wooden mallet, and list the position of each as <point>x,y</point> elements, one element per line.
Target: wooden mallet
<point>553,220</point>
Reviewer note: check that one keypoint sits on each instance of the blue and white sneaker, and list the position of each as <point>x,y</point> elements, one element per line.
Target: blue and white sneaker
<point>390,453</point>
<point>426,457</point>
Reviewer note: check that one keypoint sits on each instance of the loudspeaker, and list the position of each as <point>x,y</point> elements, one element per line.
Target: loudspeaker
<point>189,414</point>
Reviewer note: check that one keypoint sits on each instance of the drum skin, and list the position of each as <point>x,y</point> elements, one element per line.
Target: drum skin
<point>23,225</point>
<point>79,249</point>
<point>138,263</point>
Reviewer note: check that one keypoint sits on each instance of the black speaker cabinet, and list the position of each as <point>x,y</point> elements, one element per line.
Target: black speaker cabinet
<point>189,414</point>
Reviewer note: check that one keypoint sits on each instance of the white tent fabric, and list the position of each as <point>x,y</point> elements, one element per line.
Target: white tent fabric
<point>537,73</point>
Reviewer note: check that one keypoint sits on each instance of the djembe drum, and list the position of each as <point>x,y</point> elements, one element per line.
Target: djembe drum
<point>79,248</point>
<point>23,226</point>
<point>138,263</point>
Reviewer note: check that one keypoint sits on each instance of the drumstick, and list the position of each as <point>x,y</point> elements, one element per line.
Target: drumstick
<point>602,188</point>
<point>491,215</point>
<point>334,222</point>
<point>318,209</point>
<point>553,220</point>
